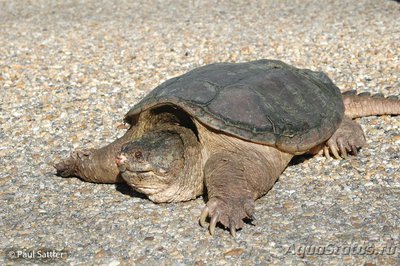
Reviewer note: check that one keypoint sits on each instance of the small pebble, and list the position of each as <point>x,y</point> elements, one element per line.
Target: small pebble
<point>69,71</point>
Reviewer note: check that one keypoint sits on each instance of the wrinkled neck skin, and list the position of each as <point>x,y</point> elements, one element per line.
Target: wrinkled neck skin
<point>187,183</point>
<point>261,163</point>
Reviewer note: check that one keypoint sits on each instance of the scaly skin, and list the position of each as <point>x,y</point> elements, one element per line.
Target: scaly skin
<point>349,137</point>
<point>165,164</point>
<point>368,105</point>
<point>234,172</point>
<point>93,165</point>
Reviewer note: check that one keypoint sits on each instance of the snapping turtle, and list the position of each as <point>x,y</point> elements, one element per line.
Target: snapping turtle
<point>228,129</point>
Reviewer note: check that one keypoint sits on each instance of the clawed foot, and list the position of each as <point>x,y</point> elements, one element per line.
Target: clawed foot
<point>230,214</point>
<point>69,167</point>
<point>346,140</point>
<point>340,148</point>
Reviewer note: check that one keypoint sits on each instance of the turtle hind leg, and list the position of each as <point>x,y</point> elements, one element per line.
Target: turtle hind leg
<point>95,165</point>
<point>348,138</point>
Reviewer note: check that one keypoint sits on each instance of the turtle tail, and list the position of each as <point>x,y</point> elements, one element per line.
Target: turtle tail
<point>365,104</point>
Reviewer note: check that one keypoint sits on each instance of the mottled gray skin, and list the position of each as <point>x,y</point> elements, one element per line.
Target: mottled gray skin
<point>156,154</point>
<point>228,130</point>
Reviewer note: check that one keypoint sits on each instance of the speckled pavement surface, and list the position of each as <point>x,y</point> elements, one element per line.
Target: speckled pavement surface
<point>69,71</point>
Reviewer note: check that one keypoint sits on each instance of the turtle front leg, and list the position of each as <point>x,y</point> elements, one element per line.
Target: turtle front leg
<point>230,198</point>
<point>93,165</point>
<point>348,138</point>
<point>235,175</point>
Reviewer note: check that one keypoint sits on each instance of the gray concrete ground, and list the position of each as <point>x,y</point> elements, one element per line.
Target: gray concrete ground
<point>69,70</point>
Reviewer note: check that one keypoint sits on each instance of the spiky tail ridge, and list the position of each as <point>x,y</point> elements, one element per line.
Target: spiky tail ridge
<point>365,104</point>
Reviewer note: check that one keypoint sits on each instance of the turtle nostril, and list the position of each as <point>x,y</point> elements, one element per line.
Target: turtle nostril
<point>120,159</point>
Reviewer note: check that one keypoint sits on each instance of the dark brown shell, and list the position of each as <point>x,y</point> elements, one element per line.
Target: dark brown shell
<point>264,101</point>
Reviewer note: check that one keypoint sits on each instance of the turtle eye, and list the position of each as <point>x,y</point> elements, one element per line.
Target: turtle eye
<point>138,155</point>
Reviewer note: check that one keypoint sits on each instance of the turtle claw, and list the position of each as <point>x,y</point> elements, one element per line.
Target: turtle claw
<point>340,148</point>
<point>343,151</point>
<point>326,152</point>
<point>213,223</point>
<point>333,148</point>
<point>231,216</point>
<point>233,229</point>
<point>346,140</point>
<point>203,216</point>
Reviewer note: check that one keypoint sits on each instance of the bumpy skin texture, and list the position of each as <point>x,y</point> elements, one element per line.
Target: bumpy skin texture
<point>236,173</point>
<point>95,165</point>
<point>348,138</point>
<point>365,104</point>
<point>163,164</point>
<point>176,151</point>
<point>146,163</point>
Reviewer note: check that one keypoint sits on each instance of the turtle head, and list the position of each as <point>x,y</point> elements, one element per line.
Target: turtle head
<point>152,163</point>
